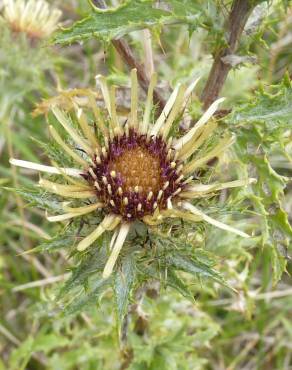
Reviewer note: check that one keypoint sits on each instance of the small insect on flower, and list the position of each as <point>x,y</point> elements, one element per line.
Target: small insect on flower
<point>33,17</point>
<point>133,169</point>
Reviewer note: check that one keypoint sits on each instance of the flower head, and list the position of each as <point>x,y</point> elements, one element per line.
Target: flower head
<point>133,169</point>
<point>33,17</point>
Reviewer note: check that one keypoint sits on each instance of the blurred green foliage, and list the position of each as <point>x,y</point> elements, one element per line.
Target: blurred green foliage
<point>202,299</point>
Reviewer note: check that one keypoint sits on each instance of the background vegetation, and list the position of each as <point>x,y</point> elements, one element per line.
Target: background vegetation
<point>54,313</point>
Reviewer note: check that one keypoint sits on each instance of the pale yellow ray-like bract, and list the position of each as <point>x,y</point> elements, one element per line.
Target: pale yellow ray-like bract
<point>134,99</point>
<point>118,244</point>
<point>218,149</point>
<point>148,106</point>
<point>87,130</point>
<point>201,189</point>
<point>197,140</point>
<point>202,121</point>
<point>75,212</point>
<point>176,109</point>
<point>211,221</point>
<point>70,191</point>
<point>110,222</point>
<point>65,122</point>
<point>48,169</point>
<point>66,148</point>
<point>166,110</point>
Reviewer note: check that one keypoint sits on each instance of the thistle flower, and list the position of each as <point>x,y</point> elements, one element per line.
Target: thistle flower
<point>136,170</point>
<point>33,17</point>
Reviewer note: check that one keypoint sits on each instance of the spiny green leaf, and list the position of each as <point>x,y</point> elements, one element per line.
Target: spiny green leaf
<point>84,301</point>
<point>94,262</point>
<point>58,242</point>
<point>194,267</point>
<point>37,197</point>
<point>260,127</point>
<point>55,153</point>
<point>130,16</point>
<point>275,110</point>
<point>279,218</point>
<point>278,262</point>
<point>122,284</point>
<point>175,282</point>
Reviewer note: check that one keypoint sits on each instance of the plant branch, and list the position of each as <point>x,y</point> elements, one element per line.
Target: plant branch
<point>127,54</point>
<point>238,17</point>
<point>125,51</point>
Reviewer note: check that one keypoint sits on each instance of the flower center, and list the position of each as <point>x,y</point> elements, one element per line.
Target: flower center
<point>134,175</point>
<point>138,168</point>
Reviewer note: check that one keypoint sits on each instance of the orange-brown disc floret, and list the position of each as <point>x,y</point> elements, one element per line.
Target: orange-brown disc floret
<point>134,175</point>
<point>138,168</point>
